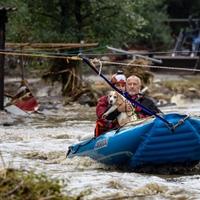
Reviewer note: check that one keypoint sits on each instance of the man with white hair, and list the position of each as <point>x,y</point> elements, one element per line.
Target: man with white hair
<point>133,88</point>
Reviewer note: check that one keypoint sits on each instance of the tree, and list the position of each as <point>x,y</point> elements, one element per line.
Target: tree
<point>155,32</point>
<point>74,20</point>
<point>104,21</point>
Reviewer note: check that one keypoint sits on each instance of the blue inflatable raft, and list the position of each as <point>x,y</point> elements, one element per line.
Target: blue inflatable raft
<point>151,142</point>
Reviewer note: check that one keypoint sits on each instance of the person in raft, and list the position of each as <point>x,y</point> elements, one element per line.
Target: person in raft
<point>110,122</point>
<point>132,86</point>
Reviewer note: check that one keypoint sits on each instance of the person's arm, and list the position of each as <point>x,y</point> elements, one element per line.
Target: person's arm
<point>148,103</point>
<point>113,115</point>
<point>101,107</point>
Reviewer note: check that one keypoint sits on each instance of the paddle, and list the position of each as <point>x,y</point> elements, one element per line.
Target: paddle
<point>126,95</point>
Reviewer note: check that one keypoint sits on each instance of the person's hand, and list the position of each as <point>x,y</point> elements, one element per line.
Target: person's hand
<point>104,116</point>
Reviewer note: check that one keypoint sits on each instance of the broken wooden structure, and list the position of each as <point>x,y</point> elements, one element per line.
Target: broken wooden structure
<point>63,69</point>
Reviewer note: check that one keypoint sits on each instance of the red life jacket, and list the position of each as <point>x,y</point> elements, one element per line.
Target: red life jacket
<point>102,106</point>
<point>103,125</point>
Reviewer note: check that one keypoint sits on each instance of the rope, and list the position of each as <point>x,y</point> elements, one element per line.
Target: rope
<point>95,60</point>
<point>181,121</point>
<point>102,54</point>
<point>65,56</point>
<point>140,52</point>
<point>40,55</point>
<point>150,66</point>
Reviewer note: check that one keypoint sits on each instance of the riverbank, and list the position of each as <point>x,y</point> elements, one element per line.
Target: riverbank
<point>165,89</point>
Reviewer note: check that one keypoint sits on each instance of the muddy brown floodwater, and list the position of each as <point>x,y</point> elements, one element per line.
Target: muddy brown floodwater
<point>39,142</point>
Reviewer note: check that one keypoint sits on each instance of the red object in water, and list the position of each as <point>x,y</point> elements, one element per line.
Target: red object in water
<point>27,104</point>
<point>24,98</point>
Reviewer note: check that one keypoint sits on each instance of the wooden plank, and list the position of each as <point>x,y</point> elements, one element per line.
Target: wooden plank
<point>50,45</point>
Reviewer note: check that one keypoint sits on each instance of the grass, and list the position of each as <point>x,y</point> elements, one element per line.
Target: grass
<point>18,185</point>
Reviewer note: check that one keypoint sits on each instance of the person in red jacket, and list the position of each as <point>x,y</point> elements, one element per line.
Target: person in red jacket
<point>105,124</point>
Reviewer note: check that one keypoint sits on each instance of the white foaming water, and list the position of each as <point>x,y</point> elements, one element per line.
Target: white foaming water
<point>41,146</point>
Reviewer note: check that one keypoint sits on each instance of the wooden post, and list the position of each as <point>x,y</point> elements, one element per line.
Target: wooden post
<point>3,20</point>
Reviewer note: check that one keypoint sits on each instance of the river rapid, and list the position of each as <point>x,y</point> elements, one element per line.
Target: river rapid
<point>39,142</point>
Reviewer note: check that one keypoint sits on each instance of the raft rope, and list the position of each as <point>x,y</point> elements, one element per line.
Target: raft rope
<point>181,121</point>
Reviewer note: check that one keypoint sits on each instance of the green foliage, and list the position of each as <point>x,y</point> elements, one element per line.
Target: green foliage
<point>104,21</point>
<point>112,22</point>
<point>155,13</point>
<point>19,21</point>
<point>115,21</point>
<point>17,185</point>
